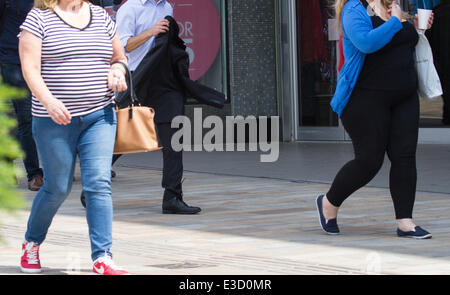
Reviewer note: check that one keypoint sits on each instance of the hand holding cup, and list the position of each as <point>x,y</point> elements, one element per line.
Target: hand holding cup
<point>424,19</point>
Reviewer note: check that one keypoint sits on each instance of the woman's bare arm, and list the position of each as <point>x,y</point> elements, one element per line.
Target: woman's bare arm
<point>116,76</point>
<point>30,47</point>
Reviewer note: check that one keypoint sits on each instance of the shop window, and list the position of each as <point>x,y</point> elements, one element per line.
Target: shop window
<point>317,45</point>
<point>202,27</point>
<point>436,113</point>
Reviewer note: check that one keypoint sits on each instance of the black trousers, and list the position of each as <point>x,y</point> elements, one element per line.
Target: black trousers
<point>172,162</point>
<point>446,111</point>
<point>381,122</point>
<point>12,75</point>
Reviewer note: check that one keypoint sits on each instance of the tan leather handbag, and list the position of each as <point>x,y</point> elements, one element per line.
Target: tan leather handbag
<point>136,132</point>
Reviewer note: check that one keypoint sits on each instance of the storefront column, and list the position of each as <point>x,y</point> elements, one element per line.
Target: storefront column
<point>252,57</point>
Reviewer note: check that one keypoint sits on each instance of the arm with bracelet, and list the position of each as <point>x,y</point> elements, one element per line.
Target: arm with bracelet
<point>116,76</point>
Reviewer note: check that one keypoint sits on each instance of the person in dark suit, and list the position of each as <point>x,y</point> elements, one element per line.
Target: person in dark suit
<point>440,43</point>
<point>160,64</point>
<point>12,15</point>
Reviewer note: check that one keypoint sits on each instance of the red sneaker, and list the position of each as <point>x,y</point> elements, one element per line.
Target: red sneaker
<point>105,266</point>
<point>29,263</point>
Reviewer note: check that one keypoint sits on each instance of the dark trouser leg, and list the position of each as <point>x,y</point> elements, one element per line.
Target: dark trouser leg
<point>115,158</point>
<point>22,108</point>
<point>402,153</point>
<point>446,114</point>
<point>367,121</point>
<point>172,162</point>
<point>172,174</point>
<point>12,75</point>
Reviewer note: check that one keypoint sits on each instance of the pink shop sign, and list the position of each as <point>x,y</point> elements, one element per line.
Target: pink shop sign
<point>200,28</point>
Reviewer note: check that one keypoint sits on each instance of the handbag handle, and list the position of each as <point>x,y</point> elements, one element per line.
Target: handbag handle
<point>129,80</point>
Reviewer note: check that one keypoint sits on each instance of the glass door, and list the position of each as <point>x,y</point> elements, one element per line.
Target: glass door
<point>435,113</point>
<point>317,45</point>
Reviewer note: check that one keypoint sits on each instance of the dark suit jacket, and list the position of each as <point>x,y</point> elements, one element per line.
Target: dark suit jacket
<point>439,38</point>
<point>162,79</point>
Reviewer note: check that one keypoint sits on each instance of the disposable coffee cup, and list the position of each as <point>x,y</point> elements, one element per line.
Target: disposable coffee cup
<point>424,16</point>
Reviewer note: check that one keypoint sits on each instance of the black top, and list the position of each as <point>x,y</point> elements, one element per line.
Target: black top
<point>392,67</point>
<point>439,38</point>
<point>12,15</point>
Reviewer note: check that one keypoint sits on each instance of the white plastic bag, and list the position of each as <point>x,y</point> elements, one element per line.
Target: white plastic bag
<point>429,83</point>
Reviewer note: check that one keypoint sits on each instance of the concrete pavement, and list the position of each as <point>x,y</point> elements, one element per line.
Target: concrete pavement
<point>316,162</point>
<point>250,224</point>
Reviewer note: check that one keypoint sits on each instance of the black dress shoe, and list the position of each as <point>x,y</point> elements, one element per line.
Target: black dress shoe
<point>83,199</point>
<point>35,183</point>
<point>176,205</point>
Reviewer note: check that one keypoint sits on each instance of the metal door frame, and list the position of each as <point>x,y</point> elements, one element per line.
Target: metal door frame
<point>288,88</point>
<point>288,82</point>
<point>286,54</point>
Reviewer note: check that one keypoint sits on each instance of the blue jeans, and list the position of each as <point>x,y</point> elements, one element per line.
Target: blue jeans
<point>12,76</point>
<point>91,137</point>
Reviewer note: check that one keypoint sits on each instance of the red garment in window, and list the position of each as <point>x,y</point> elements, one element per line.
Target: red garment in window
<point>341,53</point>
<point>311,31</point>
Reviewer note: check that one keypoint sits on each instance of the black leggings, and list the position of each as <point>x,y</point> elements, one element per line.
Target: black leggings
<point>379,122</point>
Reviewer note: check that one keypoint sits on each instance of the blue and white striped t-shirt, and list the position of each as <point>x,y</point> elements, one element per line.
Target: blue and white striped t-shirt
<point>75,62</point>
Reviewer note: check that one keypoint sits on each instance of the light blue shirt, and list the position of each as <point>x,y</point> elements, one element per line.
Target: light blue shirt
<point>135,17</point>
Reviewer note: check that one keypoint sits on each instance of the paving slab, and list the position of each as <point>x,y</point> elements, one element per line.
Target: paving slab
<point>249,225</point>
<point>316,162</point>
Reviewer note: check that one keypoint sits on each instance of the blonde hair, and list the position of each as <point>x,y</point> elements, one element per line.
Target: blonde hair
<point>47,4</point>
<point>339,7</point>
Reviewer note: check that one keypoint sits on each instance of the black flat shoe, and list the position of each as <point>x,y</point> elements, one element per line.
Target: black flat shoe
<point>418,233</point>
<point>176,205</point>
<point>329,226</point>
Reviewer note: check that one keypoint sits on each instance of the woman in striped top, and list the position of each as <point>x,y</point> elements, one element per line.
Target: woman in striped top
<point>69,51</point>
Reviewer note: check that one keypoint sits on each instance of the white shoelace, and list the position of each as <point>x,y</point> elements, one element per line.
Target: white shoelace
<point>32,253</point>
